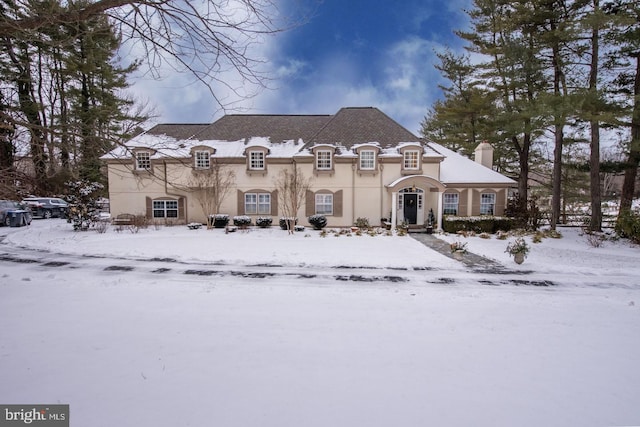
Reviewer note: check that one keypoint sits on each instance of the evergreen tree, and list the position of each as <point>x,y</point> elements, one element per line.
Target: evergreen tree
<point>69,93</point>
<point>625,58</point>
<point>503,33</point>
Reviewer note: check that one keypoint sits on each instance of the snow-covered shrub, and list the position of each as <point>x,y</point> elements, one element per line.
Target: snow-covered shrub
<point>287,223</point>
<point>264,221</point>
<point>241,221</point>
<point>484,235</point>
<point>318,221</point>
<point>220,220</point>
<point>83,199</point>
<point>502,235</point>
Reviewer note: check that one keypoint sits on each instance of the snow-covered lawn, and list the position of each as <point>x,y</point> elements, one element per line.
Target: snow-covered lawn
<point>149,345</point>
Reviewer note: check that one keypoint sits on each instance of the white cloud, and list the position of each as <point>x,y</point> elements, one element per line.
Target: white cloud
<point>400,80</point>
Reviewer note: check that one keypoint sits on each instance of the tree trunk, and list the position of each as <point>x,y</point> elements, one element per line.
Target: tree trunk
<point>557,176</point>
<point>631,170</point>
<point>594,174</point>
<point>523,178</point>
<point>594,160</point>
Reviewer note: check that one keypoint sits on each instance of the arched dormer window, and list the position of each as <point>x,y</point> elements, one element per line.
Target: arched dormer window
<point>256,159</point>
<point>142,160</point>
<point>323,158</point>
<point>411,159</point>
<point>367,158</point>
<point>202,157</point>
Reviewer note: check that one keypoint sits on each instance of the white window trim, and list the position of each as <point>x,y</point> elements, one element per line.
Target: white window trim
<point>253,161</point>
<point>329,159</point>
<point>164,208</point>
<point>147,160</point>
<point>323,202</point>
<point>485,205</point>
<point>405,158</point>
<point>373,160</point>
<point>257,204</point>
<point>202,159</point>
<point>449,205</point>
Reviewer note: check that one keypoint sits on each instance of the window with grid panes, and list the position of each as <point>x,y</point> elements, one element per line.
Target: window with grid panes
<point>324,204</point>
<point>411,159</point>
<point>143,160</point>
<point>165,209</point>
<point>256,160</point>
<point>323,160</point>
<point>450,203</point>
<point>367,160</point>
<point>487,203</point>
<point>203,159</point>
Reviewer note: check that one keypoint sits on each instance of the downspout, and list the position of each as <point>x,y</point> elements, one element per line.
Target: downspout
<point>295,214</point>
<point>166,191</point>
<point>353,192</point>
<point>381,168</point>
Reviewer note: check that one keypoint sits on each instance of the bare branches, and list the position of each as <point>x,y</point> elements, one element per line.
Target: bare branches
<point>213,40</point>
<point>292,188</point>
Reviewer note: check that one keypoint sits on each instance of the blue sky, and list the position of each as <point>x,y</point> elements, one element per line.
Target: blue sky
<point>376,53</point>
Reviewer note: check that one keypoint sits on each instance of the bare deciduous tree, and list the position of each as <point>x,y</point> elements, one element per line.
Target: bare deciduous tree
<point>211,187</point>
<point>292,188</point>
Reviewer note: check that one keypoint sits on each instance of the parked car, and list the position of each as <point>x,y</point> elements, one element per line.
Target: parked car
<point>47,207</point>
<point>7,206</point>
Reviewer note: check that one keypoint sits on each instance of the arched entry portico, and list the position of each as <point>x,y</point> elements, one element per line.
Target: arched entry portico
<point>413,196</point>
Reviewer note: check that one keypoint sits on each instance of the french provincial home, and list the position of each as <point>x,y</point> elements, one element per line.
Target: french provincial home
<point>362,164</point>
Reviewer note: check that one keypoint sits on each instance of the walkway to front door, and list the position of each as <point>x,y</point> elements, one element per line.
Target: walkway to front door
<point>470,259</point>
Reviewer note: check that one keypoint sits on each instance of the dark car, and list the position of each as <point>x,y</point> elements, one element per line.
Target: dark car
<point>47,207</point>
<point>9,206</point>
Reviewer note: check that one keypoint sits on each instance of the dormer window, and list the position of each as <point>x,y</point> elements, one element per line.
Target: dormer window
<point>367,160</point>
<point>411,160</point>
<point>202,159</point>
<point>323,160</point>
<point>143,160</point>
<point>256,160</point>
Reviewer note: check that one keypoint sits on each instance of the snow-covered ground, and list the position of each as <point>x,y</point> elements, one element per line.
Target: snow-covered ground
<point>178,327</point>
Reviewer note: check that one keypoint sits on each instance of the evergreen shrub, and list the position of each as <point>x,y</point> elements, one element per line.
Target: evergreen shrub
<point>264,221</point>
<point>241,221</point>
<point>287,220</point>
<point>477,224</point>
<point>318,221</point>
<point>628,225</point>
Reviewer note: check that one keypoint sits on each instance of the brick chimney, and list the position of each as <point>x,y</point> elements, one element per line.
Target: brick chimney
<point>484,154</point>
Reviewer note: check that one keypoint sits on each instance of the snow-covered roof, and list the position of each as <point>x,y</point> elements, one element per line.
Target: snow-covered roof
<point>295,136</point>
<point>458,169</point>
<point>283,135</point>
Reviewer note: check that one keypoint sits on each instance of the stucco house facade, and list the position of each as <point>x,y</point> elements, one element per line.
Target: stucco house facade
<point>362,164</point>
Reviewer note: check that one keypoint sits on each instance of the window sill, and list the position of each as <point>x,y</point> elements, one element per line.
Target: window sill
<point>142,172</point>
<point>256,172</point>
